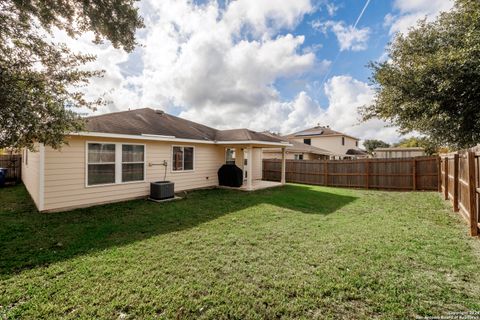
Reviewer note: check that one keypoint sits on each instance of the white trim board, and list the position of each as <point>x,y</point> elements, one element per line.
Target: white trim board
<point>173,139</point>
<point>41,178</point>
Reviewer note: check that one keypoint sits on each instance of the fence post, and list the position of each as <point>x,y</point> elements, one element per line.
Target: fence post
<point>439,168</point>
<point>472,190</point>
<point>414,174</point>
<point>445,179</point>
<point>367,169</point>
<point>455,182</point>
<point>325,171</point>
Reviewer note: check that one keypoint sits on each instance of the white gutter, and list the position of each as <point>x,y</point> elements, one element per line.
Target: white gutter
<point>152,137</point>
<point>281,144</point>
<point>157,135</point>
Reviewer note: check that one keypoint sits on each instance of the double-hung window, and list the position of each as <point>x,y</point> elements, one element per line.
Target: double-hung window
<point>114,163</point>
<point>182,158</point>
<point>133,162</point>
<point>101,163</point>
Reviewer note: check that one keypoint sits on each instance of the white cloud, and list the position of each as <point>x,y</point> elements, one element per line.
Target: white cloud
<point>348,37</point>
<point>219,66</point>
<point>345,95</point>
<point>331,9</point>
<point>262,15</point>
<point>212,64</point>
<point>410,11</point>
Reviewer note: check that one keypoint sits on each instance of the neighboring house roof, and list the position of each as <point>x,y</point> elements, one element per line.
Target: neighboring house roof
<point>147,121</point>
<point>245,135</point>
<point>319,131</point>
<point>298,147</point>
<point>400,149</point>
<point>303,147</point>
<point>356,152</point>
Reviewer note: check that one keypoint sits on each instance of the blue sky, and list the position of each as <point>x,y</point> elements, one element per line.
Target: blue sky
<point>353,63</point>
<point>261,64</point>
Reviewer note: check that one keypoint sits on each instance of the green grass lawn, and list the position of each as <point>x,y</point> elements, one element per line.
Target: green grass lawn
<point>291,252</point>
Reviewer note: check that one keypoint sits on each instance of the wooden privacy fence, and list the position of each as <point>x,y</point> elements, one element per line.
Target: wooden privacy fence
<point>459,181</point>
<point>420,173</point>
<point>13,162</point>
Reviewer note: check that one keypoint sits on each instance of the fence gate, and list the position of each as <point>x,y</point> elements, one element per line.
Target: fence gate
<point>13,164</point>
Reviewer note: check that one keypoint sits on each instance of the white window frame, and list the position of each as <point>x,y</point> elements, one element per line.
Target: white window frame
<point>136,162</point>
<point>296,156</point>
<point>183,159</point>
<point>118,163</point>
<point>235,150</point>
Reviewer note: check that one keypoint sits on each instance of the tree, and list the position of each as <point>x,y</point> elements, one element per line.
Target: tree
<point>431,81</point>
<point>39,78</point>
<point>422,142</point>
<point>371,144</point>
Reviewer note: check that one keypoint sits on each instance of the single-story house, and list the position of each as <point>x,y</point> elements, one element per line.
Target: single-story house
<point>297,151</point>
<point>120,153</point>
<point>399,152</point>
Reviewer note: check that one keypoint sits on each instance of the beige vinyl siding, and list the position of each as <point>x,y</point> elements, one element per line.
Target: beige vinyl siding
<point>330,143</point>
<point>31,174</point>
<point>65,173</point>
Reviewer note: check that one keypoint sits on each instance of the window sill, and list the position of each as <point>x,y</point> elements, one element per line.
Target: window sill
<point>114,184</point>
<point>181,171</point>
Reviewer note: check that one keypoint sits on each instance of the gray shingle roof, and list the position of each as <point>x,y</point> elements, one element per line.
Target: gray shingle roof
<point>152,122</point>
<point>318,131</point>
<point>303,147</point>
<point>245,135</point>
<point>299,146</point>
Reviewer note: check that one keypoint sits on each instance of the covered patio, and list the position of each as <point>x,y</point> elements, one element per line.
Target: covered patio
<point>249,158</point>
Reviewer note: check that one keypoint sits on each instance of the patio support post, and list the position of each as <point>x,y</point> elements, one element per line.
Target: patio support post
<point>284,164</point>
<point>249,168</point>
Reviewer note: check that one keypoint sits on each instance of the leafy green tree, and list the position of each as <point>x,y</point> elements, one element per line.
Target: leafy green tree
<point>371,144</point>
<point>431,81</point>
<point>39,78</point>
<point>422,142</point>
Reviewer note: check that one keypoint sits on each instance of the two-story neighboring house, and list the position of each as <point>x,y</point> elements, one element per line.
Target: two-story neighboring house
<point>338,143</point>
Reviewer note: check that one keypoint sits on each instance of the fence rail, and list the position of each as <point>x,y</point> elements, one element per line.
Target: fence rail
<point>13,164</point>
<point>458,182</point>
<point>420,173</point>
